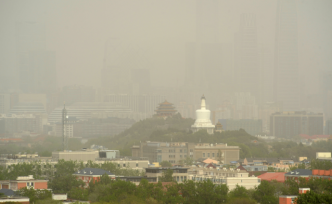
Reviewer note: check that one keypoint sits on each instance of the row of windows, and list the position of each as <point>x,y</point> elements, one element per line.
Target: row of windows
<point>212,154</point>
<point>172,161</point>
<point>181,150</point>
<point>124,165</point>
<point>179,178</point>
<point>173,156</point>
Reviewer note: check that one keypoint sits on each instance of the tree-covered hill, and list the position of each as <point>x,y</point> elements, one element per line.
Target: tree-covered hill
<point>141,131</point>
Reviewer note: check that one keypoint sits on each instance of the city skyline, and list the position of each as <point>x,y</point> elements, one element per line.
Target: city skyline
<point>213,47</point>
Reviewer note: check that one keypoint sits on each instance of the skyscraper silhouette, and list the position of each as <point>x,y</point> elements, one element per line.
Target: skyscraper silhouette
<point>286,71</point>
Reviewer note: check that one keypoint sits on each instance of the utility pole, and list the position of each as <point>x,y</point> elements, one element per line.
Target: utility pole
<point>64,121</point>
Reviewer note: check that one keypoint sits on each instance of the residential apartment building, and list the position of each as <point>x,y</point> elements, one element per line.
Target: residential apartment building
<point>174,152</point>
<point>22,182</point>
<point>251,126</point>
<point>291,124</point>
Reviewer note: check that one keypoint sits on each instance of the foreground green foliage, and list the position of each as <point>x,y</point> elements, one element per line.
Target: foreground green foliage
<point>63,170</point>
<point>35,195</point>
<point>312,197</point>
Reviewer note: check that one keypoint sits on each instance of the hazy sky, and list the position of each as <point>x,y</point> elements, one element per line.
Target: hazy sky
<point>77,31</point>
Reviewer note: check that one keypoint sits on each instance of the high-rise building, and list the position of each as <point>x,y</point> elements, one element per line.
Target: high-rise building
<point>207,21</point>
<point>4,103</point>
<point>122,61</point>
<point>76,93</point>
<point>326,92</point>
<point>251,126</point>
<point>291,124</point>
<point>286,71</point>
<point>36,69</point>
<point>248,70</point>
<point>144,104</point>
<point>141,81</point>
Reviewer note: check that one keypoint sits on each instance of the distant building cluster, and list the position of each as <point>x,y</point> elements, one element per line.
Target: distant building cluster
<point>174,152</point>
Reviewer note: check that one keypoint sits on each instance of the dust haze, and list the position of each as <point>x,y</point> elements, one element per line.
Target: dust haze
<point>249,58</point>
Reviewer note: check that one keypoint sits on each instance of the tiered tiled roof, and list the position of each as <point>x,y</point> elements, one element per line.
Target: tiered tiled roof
<point>165,109</point>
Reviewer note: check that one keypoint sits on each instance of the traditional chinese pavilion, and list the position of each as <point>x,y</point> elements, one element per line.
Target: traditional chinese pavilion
<point>165,109</point>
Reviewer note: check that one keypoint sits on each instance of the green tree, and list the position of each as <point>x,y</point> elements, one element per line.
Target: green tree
<point>165,164</point>
<point>188,161</point>
<point>312,197</point>
<point>265,193</point>
<point>207,192</point>
<point>320,164</point>
<point>238,192</point>
<point>172,194</point>
<point>242,201</point>
<point>78,193</point>
<point>167,176</point>
<point>64,183</point>
<point>35,195</point>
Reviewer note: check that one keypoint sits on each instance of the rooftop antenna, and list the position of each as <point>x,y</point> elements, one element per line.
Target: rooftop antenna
<point>64,122</point>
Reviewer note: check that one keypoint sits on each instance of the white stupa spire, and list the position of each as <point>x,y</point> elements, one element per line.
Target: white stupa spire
<point>203,118</point>
<point>203,105</point>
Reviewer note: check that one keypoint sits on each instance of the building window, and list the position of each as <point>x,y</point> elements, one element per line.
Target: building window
<point>124,165</point>
<point>180,156</point>
<point>180,150</point>
<point>208,154</point>
<point>118,165</point>
<point>203,154</point>
<point>212,154</point>
<point>136,164</point>
<point>191,150</point>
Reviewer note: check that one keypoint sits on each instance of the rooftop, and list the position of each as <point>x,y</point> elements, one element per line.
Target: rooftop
<point>93,172</point>
<point>299,172</point>
<point>269,176</point>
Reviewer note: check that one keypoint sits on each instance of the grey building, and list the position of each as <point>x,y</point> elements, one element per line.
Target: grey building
<point>290,124</point>
<point>251,126</point>
<point>174,152</point>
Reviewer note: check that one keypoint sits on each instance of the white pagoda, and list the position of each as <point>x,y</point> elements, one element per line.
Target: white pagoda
<point>203,119</point>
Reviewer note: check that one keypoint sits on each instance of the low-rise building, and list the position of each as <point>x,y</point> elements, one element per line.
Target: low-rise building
<point>91,174</point>
<point>127,162</point>
<point>298,173</point>
<point>179,174</point>
<point>270,176</point>
<point>22,182</point>
<point>137,179</point>
<point>174,152</point>
<point>88,155</point>
<point>231,177</point>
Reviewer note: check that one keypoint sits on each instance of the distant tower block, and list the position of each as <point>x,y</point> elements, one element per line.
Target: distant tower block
<point>203,119</point>
<point>165,109</point>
